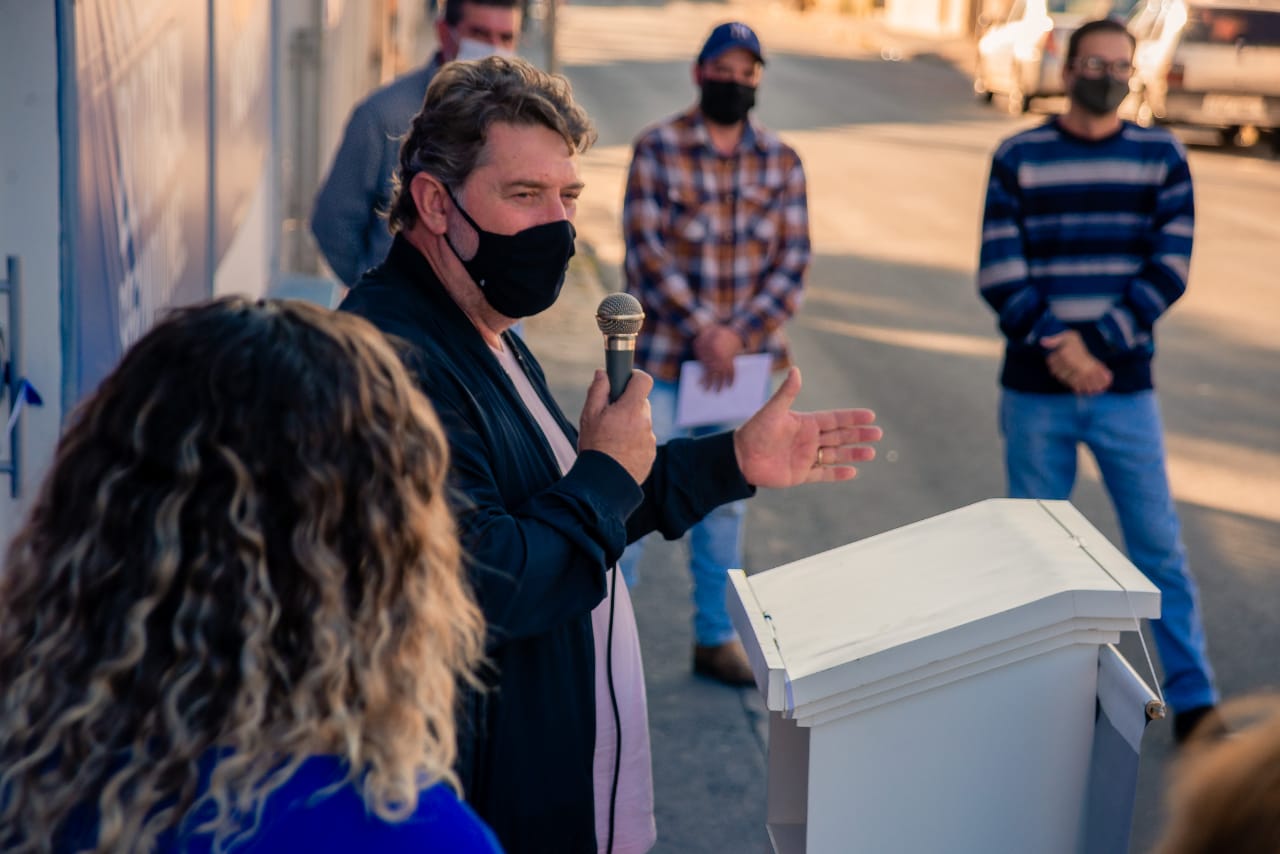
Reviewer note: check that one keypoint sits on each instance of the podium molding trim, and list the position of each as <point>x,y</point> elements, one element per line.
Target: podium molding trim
<point>941,674</point>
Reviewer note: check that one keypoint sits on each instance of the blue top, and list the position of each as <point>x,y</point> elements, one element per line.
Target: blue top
<point>1092,235</point>
<point>302,815</point>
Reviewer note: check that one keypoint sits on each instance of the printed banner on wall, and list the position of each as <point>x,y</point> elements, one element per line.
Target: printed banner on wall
<point>242,110</point>
<point>141,240</point>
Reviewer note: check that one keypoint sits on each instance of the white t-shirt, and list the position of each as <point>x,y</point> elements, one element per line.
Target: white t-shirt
<point>634,828</point>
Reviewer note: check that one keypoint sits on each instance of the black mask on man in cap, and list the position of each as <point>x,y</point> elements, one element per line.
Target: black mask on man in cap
<point>726,102</point>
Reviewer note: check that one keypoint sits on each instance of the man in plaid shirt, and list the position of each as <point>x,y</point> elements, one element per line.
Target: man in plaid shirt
<point>716,226</point>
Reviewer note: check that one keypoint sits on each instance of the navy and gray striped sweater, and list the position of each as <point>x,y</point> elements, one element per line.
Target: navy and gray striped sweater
<point>1092,235</point>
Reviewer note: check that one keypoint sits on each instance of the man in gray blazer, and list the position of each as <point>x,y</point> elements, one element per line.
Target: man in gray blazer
<point>348,217</point>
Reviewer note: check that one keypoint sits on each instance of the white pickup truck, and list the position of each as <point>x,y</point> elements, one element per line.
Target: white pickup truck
<point>1209,63</point>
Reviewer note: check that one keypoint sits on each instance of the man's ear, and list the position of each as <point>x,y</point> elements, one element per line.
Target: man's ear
<point>697,74</point>
<point>431,200</point>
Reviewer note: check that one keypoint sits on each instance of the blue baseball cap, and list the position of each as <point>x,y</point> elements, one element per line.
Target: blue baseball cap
<point>728,36</point>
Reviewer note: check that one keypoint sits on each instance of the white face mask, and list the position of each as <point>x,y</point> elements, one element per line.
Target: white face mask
<point>476,49</point>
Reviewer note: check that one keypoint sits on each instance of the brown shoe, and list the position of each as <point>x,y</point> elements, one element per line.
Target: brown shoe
<point>726,662</point>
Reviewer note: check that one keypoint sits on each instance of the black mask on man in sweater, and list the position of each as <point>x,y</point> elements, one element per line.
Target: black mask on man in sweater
<point>1099,95</point>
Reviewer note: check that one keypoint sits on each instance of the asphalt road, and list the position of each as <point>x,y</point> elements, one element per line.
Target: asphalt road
<point>896,153</point>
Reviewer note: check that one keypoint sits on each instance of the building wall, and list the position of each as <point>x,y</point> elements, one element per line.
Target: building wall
<point>276,80</point>
<point>246,238</point>
<point>248,266</point>
<point>929,17</point>
<point>330,55</point>
<point>29,229</point>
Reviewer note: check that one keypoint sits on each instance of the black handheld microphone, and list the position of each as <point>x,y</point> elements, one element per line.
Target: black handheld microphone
<point>619,317</point>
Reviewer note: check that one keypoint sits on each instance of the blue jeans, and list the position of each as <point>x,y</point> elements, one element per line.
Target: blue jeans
<point>1125,436</point>
<point>715,543</point>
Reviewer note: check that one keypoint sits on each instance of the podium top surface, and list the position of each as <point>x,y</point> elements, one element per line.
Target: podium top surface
<point>941,588</point>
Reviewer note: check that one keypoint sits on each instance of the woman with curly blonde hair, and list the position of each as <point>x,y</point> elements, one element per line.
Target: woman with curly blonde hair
<point>1225,791</point>
<point>235,619</point>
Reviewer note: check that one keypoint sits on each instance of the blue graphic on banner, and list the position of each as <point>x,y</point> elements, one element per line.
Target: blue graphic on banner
<point>142,232</point>
<point>242,105</point>
<point>26,396</point>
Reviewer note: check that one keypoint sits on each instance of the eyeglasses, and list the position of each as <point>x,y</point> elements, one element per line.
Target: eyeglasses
<point>1096,66</point>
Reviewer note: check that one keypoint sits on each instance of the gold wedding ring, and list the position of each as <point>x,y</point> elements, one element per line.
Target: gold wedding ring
<point>820,460</point>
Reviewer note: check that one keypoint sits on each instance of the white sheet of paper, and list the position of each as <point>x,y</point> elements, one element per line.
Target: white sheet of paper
<point>696,405</point>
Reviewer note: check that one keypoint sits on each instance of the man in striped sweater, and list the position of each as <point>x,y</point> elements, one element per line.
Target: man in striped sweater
<point>1086,242</point>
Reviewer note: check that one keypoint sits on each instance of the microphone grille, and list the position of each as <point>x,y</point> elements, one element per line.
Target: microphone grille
<point>620,314</point>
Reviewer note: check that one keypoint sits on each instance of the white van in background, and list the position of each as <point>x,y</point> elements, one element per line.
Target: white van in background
<point>1209,63</point>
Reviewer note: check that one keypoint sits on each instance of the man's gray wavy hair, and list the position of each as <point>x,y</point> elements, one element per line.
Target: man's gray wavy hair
<point>463,101</point>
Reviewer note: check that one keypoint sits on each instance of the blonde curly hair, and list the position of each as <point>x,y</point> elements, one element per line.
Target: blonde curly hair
<point>242,550</point>
<point>1224,793</point>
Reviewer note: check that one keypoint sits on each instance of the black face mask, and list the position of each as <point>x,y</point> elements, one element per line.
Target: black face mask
<point>1101,95</point>
<point>519,274</point>
<point>726,102</point>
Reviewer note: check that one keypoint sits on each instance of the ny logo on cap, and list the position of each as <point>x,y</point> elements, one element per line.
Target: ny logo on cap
<point>740,32</point>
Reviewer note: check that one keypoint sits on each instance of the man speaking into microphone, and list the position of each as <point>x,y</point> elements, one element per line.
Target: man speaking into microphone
<point>555,754</point>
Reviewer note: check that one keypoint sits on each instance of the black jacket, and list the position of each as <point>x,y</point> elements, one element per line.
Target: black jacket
<point>538,546</point>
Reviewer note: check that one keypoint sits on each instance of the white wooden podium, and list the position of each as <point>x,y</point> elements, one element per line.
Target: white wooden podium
<point>934,688</point>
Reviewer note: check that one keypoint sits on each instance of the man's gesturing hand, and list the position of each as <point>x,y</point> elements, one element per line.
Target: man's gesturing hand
<point>622,429</point>
<point>780,448</point>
